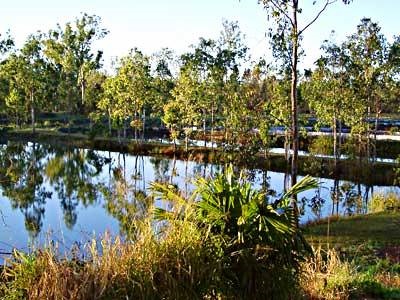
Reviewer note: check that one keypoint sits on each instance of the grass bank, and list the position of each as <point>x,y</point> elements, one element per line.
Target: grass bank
<point>355,257</point>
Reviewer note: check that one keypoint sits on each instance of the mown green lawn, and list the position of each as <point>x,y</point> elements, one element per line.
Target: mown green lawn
<point>379,229</point>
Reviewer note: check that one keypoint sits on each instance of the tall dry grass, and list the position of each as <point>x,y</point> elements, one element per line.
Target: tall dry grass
<point>174,266</point>
<point>326,276</point>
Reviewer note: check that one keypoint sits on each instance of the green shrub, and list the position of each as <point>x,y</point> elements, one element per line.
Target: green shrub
<point>261,244</point>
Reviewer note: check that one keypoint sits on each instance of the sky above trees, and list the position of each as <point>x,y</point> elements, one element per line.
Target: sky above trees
<point>152,25</point>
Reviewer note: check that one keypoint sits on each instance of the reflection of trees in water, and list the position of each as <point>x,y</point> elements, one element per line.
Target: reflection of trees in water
<point>161,168</point>
<point>126,198</point>
<point>351,197</point>
<point>71,173</point>
<point>165,170</point>
<point>21,179</point>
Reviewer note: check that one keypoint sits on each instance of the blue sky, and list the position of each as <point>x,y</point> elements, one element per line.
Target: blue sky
<point>152,25</point>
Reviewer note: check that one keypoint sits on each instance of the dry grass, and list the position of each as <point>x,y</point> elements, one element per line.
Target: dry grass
<point>175,266</point>
<point>325,276</point>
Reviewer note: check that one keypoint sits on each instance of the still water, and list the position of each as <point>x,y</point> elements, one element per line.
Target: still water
<point>69,196</point>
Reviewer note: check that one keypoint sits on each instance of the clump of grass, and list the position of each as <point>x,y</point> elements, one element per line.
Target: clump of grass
<point>328,276</point>
<point>325,276</point>
<point>389,202</point>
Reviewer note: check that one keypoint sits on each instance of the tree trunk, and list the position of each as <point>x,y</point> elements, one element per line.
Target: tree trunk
<point>124,124</point>
<point>144,123</point>
<point>32,112</point>
<point>212,126</point>
<point>286,146</point>
<point>368,135</point>
<point>109,123</point>
<point>293,99</point>
<point>340,139</point>
<point>335,152</point>
<point>377,116</point>
<point>204,129</point>
<point>83,92</point>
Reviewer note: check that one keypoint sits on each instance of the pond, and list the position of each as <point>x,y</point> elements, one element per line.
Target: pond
<point>69,196</point>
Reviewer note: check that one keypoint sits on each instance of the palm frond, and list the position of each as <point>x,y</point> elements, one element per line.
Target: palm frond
<point>306,183</point>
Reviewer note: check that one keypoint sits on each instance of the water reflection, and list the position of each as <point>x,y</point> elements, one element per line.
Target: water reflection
<point>75,192</point>
<point>21,181</point>
<point>71,173</point>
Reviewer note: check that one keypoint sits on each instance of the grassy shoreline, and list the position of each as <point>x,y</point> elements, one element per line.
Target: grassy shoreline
<point>179,266</point>
<point>356,257</point>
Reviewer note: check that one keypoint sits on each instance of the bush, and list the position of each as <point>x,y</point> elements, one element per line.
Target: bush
<point>389,202</point>
<point>261,245</point>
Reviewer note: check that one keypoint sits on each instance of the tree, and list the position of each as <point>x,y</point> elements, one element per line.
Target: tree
<point>187,97</point>
<point>126,93</point>
<point>163,82</point>
<point>26,74</point>
<point>329,94</point>
<point>6,43</point>
<point>33,80</point>
<point>15,103</point>
<point>108,100</point>
<point>69,49</point>
<point>288,32</point>
<point>368,51</point>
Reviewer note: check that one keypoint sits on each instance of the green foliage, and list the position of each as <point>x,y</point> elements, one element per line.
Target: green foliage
<point>126,94</point>
<point>24,272</point>
<point>257,238</point>
<point>69,50</point>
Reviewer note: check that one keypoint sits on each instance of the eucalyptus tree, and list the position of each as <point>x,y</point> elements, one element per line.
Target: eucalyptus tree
<point>368,50</point>
<point>187,95</point>
<point>6,42</point>
<point>33,74</point>
<point>163,82</point>
<point>257,106</point>
<point>289,32</point>
<point>15,105</point>
<point>172,118</point>
<point>26,74</point>
<point>394,74</point>
<point>107,102</point>
<point>134,87</point>
<point>204,58</point>
<point>70,49</point>
<point>94,89</point>
<point>232,53</point>
<point>126,93</point>
<point>329,93</point>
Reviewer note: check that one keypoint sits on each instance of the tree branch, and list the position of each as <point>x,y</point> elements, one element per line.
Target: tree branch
<point>281,10</point>
<point>328,2</point>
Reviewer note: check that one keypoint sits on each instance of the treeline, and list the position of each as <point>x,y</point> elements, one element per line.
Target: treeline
<point>214,86</point>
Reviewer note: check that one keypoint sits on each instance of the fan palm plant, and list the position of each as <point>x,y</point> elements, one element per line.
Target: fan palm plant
<point>260,240</point>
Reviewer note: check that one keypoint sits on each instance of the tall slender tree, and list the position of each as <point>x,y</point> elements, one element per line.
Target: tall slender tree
<point>288,30</point>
